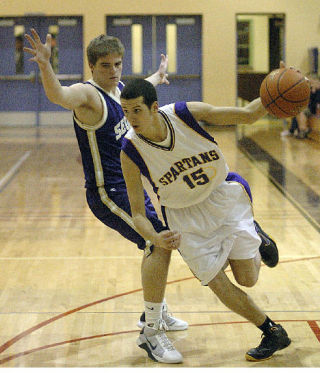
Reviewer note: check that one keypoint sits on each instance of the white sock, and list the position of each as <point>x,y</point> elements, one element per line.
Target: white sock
<point>153,313</point>
<point>164,306</point>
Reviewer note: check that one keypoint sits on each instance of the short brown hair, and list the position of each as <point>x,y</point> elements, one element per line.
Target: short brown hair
<point>103,45</point>
<point>140,87</point>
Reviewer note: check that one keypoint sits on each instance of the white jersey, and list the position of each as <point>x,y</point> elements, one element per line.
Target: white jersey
<point>185,170</point>
<point>210,208</point>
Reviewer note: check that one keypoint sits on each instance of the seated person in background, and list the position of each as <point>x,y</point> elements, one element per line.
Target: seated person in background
<point>300,124</point>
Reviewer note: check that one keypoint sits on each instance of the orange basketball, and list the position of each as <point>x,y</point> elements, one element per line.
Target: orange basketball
<point>285,92</point>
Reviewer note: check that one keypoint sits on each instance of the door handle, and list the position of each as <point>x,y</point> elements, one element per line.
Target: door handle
<point>19,77</point>
<point>170,76</point>
<point>61,77</point>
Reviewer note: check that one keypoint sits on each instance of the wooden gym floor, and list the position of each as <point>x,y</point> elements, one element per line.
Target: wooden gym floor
<point>70,287</point>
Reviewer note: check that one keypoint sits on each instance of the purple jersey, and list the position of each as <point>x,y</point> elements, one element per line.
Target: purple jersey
<point>100,145</point>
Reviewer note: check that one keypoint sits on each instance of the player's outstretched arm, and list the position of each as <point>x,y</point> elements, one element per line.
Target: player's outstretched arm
<point>169,240</point>
<point>227,115</point>
<point>160,76</point>
<point>67,97</point>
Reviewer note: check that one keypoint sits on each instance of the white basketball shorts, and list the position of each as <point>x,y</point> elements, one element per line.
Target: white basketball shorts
<point>219,228</point>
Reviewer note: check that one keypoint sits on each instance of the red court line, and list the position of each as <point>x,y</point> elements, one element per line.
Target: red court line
<point>315,328</point>
<point>28,352</point>
<point>64,314</point>
<point>46,322</point>
<point>15,339</point>
<point>15,356</point>
<point>297,260</point>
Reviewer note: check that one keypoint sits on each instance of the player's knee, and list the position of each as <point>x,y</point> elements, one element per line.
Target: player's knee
<point>247,280</point>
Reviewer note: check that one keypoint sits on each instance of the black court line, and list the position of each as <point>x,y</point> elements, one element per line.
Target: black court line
<point>306,200</point>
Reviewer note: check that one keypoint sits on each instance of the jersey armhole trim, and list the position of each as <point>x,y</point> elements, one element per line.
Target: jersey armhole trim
<point>101,122</point>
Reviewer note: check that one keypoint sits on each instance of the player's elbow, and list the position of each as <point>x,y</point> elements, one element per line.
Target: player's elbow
<point>64,97</point>
<point>251,117</point>
<point>58,98</point>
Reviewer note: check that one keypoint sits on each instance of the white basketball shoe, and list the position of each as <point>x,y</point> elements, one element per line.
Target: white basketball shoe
<point>157,345</point>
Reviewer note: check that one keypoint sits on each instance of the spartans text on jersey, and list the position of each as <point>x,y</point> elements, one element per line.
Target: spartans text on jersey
<point>186,164</point>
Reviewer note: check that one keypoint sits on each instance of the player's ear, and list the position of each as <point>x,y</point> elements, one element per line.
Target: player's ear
<point>155,107</point>
<point>91,66</point>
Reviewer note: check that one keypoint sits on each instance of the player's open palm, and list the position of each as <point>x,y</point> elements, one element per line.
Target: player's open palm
<point>41,52</point>
<point>163,69</point>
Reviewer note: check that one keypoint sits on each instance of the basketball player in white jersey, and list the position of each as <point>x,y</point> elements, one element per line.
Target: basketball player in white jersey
<point>208,213</point>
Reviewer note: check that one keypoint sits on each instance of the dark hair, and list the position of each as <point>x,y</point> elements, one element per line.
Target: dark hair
<point>103,45</point>
<point>140,87</point>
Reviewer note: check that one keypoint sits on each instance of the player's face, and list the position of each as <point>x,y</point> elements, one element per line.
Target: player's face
<point>139,114</point>
<point>107,71</point>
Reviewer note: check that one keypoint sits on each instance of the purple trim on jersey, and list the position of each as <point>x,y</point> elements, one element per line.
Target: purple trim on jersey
<point>184,114</point>
<point>135,156</point>
<point>233,176</point>
<point>164,215</point>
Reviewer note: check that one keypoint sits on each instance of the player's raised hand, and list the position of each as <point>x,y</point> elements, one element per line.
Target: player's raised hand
<point>169,240</point>
<point>41,52</point>
<point>163,69</point>
<point>314,84</point>
<point>283,66</point>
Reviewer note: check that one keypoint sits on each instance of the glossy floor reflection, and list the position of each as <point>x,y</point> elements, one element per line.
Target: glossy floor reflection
<point>70,288</point>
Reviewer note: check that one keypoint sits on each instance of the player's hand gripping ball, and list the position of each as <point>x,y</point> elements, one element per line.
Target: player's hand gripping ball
<point>285,92</point>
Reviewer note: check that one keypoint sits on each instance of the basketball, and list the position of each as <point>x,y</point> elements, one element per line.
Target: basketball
<point>285,92</point>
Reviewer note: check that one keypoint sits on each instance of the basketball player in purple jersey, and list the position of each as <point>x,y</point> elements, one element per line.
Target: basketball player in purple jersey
<point>100,126</point>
